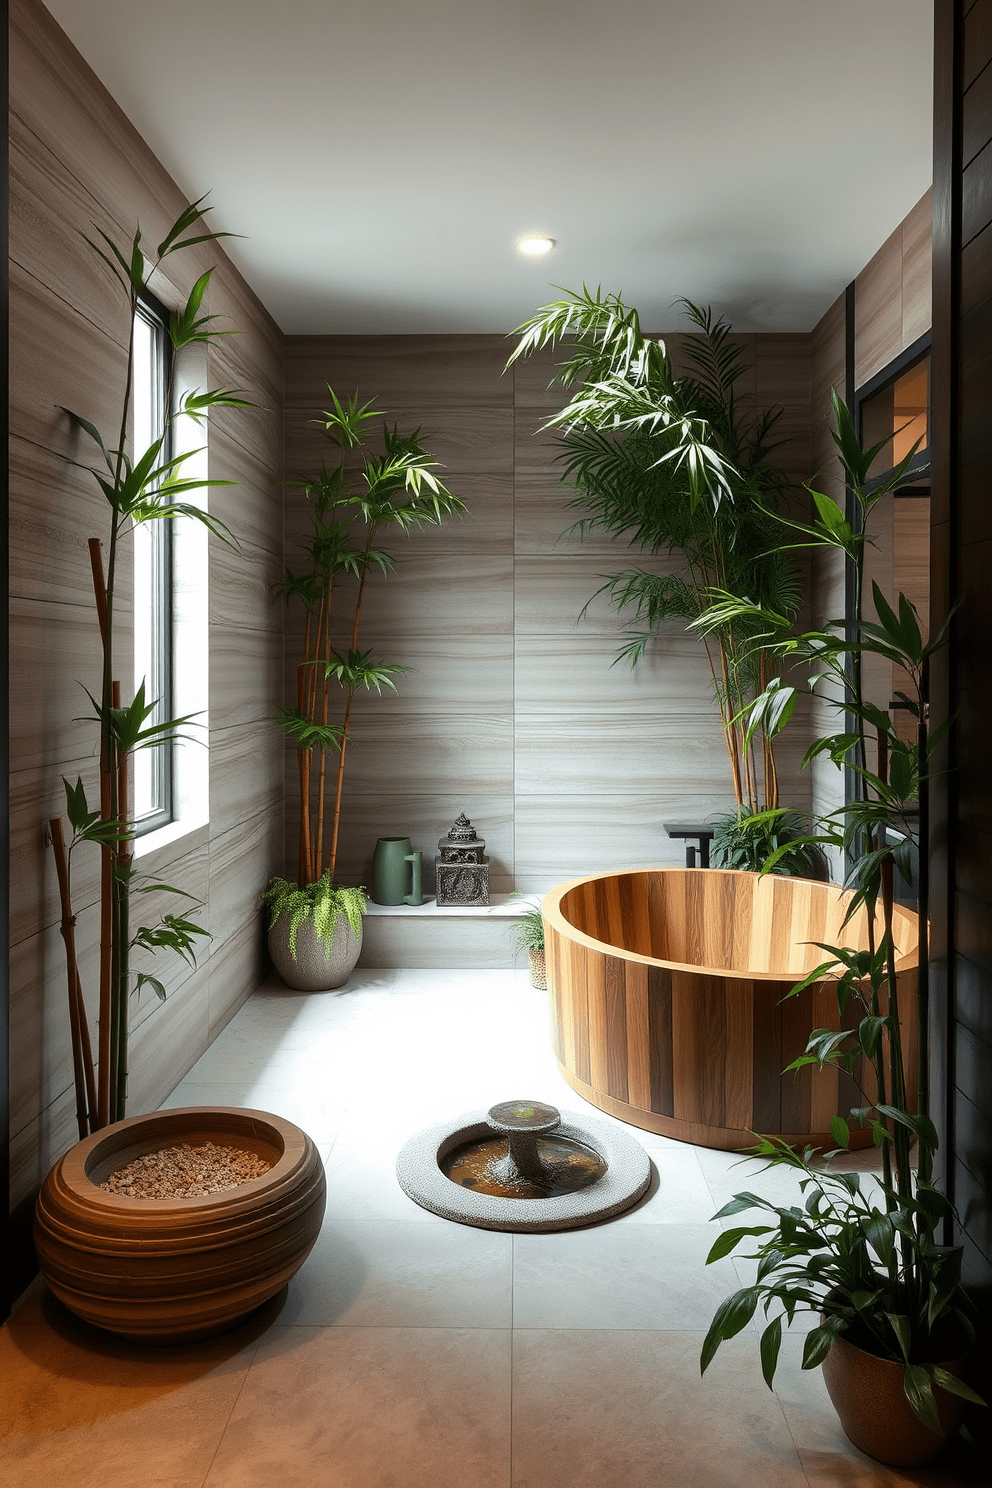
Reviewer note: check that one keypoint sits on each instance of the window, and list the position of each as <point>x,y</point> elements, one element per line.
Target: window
<point>153,570</point>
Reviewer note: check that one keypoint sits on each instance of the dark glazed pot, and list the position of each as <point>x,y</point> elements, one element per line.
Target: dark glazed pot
<point>867,1394</point>
<point>171,1270</point>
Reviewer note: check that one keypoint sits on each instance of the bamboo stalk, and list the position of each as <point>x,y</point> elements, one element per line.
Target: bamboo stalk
<point>105,1019</point>
<point>77,1012</point>
<point>333,855</point>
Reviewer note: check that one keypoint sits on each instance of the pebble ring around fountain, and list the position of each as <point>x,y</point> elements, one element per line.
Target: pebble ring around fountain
<point>523,1166</point>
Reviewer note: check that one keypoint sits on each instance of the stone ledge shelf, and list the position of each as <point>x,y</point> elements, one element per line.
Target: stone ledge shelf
<point>483,939</point>
<point>500,906</point>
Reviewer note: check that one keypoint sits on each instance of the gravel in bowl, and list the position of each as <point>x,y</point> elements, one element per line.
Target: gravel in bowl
<point>186,1172</point>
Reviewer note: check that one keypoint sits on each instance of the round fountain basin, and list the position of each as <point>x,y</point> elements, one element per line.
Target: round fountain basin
<point>621,1177</point>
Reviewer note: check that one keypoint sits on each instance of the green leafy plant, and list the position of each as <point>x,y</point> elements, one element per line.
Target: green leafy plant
<point>878,1273</point>
<point>529,931</point>
<point>320,903</point>
<point>140,486</point>
<point>747,839</point>
<point>676,465</point>
<point>377,482</point>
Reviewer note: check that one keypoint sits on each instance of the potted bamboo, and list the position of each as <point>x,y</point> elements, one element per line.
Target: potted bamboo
<point>677,465</point>
<point>894,1324</point>
<point>177,1266</point>
<point>143,486</point>
<point>377,482</point>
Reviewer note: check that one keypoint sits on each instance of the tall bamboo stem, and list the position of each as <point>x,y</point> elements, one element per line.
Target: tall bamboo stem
<point>79,1034</point>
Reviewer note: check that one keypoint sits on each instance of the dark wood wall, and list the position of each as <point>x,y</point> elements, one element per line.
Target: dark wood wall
<point>76,161</point>
<point>962,561</point>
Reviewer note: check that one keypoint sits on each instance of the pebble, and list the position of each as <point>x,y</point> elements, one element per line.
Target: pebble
<point>186,1172</point>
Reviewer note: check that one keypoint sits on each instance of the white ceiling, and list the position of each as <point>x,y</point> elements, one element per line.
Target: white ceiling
<point>382,158</point>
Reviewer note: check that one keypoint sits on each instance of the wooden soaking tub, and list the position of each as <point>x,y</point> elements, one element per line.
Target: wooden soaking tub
<point>668,1000</point>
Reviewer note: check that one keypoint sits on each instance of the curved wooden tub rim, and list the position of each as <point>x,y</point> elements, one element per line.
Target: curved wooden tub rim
<point>80,1158</point>
<point>551,910</point>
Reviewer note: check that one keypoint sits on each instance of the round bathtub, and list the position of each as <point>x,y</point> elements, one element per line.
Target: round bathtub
<point>668,1000</point>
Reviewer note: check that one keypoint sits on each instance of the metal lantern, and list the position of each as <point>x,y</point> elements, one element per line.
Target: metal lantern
<point>461,867</point>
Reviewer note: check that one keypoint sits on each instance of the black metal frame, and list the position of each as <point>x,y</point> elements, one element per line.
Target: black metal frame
<point>919,465</point>
<point>162,685</point>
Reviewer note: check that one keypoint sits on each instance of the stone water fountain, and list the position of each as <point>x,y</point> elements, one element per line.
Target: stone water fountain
<point>522,1165</point>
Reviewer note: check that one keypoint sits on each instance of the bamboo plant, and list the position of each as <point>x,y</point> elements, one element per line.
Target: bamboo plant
<point>675,464</point>
<point>880,1276</point>
<point>376,483</point>
<point>141,486</point>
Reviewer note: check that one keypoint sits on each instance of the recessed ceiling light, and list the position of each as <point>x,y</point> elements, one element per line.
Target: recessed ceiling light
<point>535,245</point>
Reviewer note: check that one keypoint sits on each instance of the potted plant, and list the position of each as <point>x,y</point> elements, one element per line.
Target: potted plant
<point>140,487</point>
<point>675,464</point>
<point>529,937</point>
<point>747,839</point>
<point>894,1322</point>
<point>375,483</point>
<point>171,1269</point>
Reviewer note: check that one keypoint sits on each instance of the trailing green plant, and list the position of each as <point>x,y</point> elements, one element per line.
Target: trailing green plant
<point>676,464</point>
<point>879,1274</point>
<point>529,931</point>
<point>320,903</point>
<point>383,482</point>
<point>746,839</point>
<point>139,486</point>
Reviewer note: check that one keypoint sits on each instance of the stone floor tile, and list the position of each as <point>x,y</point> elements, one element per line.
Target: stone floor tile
<point>371,1408</point>
<point>649,1276</point>
<point>403,1273</point>
<point>615,1409</point>
<point>83,1408</point>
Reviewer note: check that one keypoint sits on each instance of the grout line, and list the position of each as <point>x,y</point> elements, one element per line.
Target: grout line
<point>234,1406</point>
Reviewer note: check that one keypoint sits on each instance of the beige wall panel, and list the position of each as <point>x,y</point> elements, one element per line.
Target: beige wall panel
<point>532,380</point>
<point>878,309</point>
<point>917,277</point>
<point>543,517</point>
<point>55,508</point>
<point>41,1053</point>
<point>470,750</point>
<point>463,439</point>
<point>256,432</point>
<point>399,372</point>
<point>241,584</point>
<point>83,376</point>
<point>36,795</point>
<point>51,215</point>
<point>246,773</point>
<point>241,863</point>
<point>600,833</point>
<point>53,649</point>
<point>550,593</point>
<point>253,507</point>
<point>36,1147</point>
<point>169,1043</point>
<point>236,969</point>
<point>577,672</point>
<point>536,449</point>
<point>571,752</point>
<point>433,593</point>
<point>446,673</point>
<point>245,676</point>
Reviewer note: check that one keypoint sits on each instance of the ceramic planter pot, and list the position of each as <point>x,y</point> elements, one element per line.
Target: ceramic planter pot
<point>312,970</point>
<point>867,1394</point>
<point>171,1270</point>
<point>538,968</point>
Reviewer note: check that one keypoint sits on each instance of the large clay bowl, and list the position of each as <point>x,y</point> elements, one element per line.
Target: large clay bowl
<point>170,1270</point>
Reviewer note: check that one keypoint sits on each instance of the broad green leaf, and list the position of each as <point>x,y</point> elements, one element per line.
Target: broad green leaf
<point>771,1342</point>
<point>919,1393</point>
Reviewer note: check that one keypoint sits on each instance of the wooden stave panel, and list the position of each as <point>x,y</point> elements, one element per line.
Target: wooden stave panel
<point>695,1021</point>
